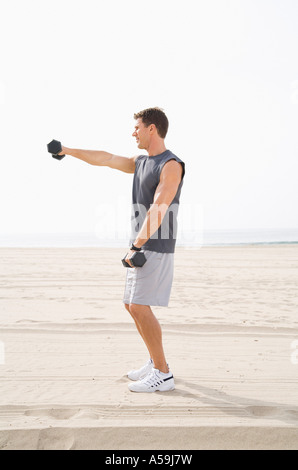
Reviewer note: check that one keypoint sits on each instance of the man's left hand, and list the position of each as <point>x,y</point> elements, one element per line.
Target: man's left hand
<point>128,256</point>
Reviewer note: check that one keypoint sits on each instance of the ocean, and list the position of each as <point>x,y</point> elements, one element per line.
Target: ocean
<point>191,240</point>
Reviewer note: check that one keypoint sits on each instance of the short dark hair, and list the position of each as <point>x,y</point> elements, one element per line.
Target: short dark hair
<point>154,116</point>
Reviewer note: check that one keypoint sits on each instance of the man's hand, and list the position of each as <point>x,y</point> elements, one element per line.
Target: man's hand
<point>63,151</point>
<point>128,256</point>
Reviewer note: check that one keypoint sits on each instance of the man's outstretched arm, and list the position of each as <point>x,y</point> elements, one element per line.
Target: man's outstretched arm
<point>101,158</point>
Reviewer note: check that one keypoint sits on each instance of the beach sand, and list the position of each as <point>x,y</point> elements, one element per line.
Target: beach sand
<point>229,334</point>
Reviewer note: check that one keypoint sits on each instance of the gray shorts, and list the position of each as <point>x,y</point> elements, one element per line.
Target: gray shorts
<point>151,284</point>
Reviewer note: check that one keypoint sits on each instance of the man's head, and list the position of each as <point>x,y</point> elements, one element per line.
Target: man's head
<point>151,123</point>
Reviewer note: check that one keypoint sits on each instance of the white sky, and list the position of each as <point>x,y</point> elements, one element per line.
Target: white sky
<point>225,72</point>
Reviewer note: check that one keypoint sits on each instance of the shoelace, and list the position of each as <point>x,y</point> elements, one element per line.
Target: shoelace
<point>152,379</point>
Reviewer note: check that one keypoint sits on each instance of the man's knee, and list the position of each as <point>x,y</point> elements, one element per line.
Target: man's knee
<point>133,310</point>
<point>138,311</point>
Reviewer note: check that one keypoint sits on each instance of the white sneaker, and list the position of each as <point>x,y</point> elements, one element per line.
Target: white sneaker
<point>137,374</point>
<point>155,381</point>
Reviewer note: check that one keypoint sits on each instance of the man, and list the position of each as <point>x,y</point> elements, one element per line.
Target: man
<point>158,179</point>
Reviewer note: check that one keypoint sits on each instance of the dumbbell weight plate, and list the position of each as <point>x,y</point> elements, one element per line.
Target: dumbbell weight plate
<point>58,157</point>
<point>54,147</point>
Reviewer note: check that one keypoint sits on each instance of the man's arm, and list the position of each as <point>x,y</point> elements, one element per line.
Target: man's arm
<point>101,158</point>
<point>164,194</point>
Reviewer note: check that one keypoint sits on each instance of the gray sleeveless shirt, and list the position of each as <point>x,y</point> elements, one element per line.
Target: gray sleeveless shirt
<point>146,179</point>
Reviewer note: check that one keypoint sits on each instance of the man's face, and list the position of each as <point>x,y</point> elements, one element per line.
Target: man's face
<point>142,134</point>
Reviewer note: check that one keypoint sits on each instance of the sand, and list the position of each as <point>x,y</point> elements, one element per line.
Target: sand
<point>228,337</point>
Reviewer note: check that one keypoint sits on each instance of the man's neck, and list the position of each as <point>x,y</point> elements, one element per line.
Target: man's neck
<point>155,148</point>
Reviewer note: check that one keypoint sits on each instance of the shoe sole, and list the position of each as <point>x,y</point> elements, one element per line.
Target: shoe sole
<point>152,391</point>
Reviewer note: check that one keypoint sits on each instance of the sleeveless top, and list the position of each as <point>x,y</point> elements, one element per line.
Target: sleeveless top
<point>146,179</point>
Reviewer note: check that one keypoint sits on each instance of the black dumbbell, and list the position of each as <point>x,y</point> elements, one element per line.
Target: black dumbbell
<point>138,260</point>
<point>54,147</point>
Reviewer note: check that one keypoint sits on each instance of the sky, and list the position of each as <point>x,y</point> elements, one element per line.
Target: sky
<point>225,73</point>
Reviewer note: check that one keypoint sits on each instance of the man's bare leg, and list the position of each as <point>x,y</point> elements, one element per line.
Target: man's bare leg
<point>138,328</point>
<point>150,330</point>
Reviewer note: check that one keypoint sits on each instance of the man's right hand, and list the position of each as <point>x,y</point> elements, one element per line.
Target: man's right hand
<point>63,151</point>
